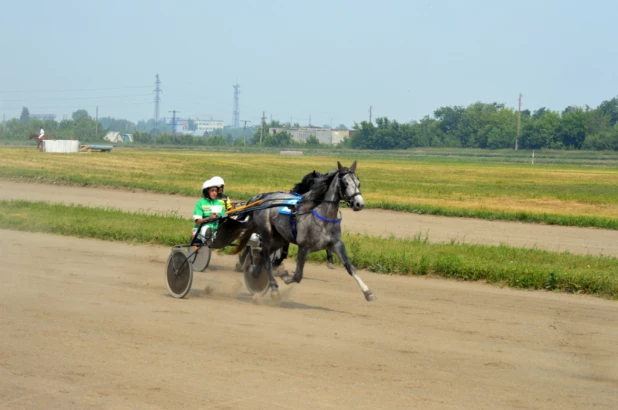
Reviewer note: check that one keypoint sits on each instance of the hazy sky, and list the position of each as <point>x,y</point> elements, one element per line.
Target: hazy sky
<point>329,60</point>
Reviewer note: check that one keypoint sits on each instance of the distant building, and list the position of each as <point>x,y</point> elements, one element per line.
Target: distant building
<point>207,126</point>
<point>44,117</point>
<point>329,136</point>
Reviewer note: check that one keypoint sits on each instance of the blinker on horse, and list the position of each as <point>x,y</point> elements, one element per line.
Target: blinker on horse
<point>316,226</point>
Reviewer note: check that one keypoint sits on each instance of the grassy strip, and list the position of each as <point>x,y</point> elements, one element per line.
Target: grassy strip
<point>492,215</point>
<point>98,223</point>
<point>503,265</point>
<point>515,267</point>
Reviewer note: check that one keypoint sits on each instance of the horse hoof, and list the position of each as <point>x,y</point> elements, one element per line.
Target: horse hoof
<point>330,265</point>
<point>369,296</point>
<point>287,278</point>
<point>280,271</point>
<point>275,294</point>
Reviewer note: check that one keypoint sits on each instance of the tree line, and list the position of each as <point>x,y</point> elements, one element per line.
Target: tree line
<point>80,126</point>
<point>494,126</point>
<point>479,125</point>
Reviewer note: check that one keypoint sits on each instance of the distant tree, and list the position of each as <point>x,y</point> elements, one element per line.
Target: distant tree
<point>258,135</point>
<point>192,125</point>
<point>279,139</point>
<point>539,113</point>
<point>610,109</point>
<point>25,115</point>
<point>79,114</point>
<point>342,127</point>
<point>117,125</point>
<point>312,141</point>
<point>572,129</point>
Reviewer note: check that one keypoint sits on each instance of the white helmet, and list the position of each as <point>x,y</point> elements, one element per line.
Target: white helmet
<point>208,184</point>
<point>217,181</point>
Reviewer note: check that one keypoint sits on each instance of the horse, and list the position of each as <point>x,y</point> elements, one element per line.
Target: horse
<point>314,227</point>
<point>39,140</point>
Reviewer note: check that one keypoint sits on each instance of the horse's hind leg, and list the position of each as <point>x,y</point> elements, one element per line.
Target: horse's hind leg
<point>274,288</point>
<point>301,257</point>
<point>277,263</point>
<point>339,249</point>
<point>329,260</point>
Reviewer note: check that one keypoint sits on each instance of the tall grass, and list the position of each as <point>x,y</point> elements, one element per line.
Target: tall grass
<point>520,268</point>
<point>553,194</point>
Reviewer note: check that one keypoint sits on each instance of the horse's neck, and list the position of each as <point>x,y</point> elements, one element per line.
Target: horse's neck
<point>329,208</point>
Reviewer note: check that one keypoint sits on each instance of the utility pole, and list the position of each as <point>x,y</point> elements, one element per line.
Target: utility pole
<point>96,123</point>
<point>173,121</point>
<point>157,90</point>
<point>310,120</point>
<point>370,107</point>
<point>518,123</point>
<point>236,112</point>
<point>245,130</point>
<point>262,132</point>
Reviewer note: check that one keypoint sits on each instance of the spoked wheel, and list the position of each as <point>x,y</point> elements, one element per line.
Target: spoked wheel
<point>199,256</point>
<point>178,273</point>
<point>256,285</point>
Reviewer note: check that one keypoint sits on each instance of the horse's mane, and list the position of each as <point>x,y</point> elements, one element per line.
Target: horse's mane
<point>307,182</point>
<point>319,188</point>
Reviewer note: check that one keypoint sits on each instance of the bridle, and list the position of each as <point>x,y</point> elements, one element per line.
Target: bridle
<point>343,188</point>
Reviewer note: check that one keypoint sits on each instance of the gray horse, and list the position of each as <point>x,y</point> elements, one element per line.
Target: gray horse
<point>314,226</point>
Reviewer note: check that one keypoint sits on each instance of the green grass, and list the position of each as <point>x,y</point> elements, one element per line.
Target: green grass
<point>503,265</point>
<point>428,182</point>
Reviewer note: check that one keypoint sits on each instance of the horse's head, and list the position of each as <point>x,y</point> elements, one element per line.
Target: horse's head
<point>350,187</point>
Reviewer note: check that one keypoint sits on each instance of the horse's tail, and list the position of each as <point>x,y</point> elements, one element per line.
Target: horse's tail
<point>243,240</point>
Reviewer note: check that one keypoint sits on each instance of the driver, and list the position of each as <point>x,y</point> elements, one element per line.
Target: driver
<point>206,209</point>
<point>218,181</point>
<point>41,134</point>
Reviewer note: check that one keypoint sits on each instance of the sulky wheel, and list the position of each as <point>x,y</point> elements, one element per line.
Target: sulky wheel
<point>199,256</point>
<point>256,285</point>
<point>178,273</point>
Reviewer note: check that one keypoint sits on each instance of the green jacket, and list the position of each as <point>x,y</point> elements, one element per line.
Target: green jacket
<point>206,207</point>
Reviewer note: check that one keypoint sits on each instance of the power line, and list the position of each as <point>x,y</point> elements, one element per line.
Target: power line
<point>174,121</point>
<point>157,100</point>
<point>39,107</point>
<point>77,98</point>
<point>74,90</point>
<point>244,130</point>
<point>518,123</point>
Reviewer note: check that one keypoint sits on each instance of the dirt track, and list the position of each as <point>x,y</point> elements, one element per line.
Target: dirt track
<point>88,324</point>
<point>373,222</point>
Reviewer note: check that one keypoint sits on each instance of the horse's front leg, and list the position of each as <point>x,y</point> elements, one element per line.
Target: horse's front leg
<point>329,260</point>
<point>339,249</point>
<point>301,258</point>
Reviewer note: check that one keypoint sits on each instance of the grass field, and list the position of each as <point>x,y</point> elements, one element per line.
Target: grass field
<point>520,268</point>
<point>468,186</point>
